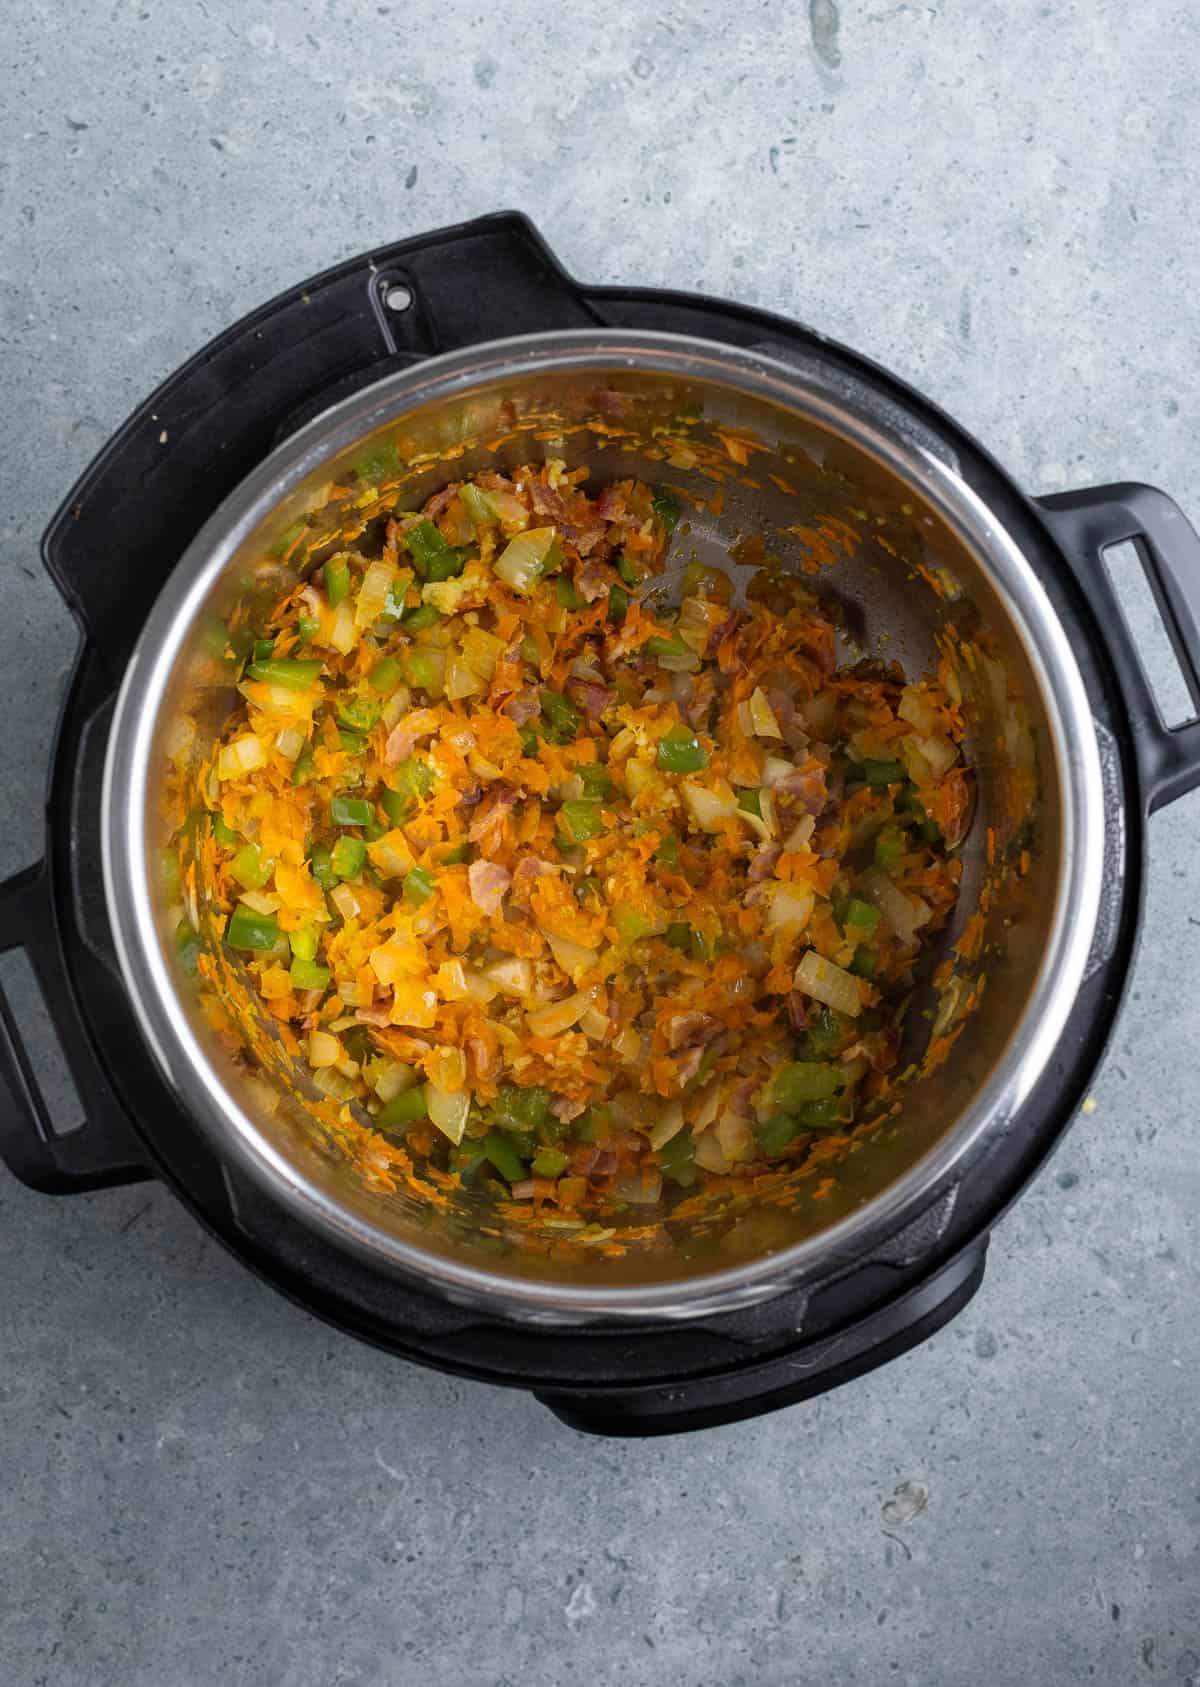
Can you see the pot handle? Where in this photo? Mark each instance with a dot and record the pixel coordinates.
(140, 503)
(1086, 523)
(751, 1391)
(102, 1151)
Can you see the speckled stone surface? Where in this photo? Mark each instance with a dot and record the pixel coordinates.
(203, 1485)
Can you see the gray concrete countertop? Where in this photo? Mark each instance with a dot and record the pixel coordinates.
(201, 1483)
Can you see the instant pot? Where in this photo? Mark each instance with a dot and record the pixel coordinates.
(470, 347)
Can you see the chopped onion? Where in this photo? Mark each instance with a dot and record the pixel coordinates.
(512, 977)
(461, 681)
(711, 809)
(904, 914)
(345, 901)
(710, 1156)
(373, 593)
(939, 752)
(448, 1110)
(575, 959)
(827, 983)
(262, 901)
(342, 632)
(669, 1123)
(482, 768)
(709, 1108)
(520, 564)
(736, 1136)
(290, 742)
(918, 709)
(559, 1016)
(396, 707)
(789, 908)
(642, 1188)
(776, 769)
(448, 1069)
(763, 715)
(595, 1025)
(323, 1050)
(394, 1079)
(390, 854)
(770, 820)
(244, 755)
(480, 988)
(511, 511)
(628, 1046)
(679, 661)
(331, 1082)
(801, 833)
(482, 650)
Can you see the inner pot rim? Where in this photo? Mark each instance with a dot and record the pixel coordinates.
(816, 394)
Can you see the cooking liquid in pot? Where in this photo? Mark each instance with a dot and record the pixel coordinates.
(595, 900)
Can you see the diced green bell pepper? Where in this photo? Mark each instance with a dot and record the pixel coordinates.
(677, 1158)
(291, 674)
(250, 869)
(385, 676)
(672, 646)
(187, 947)
(581, 818)
(402, 1110)
(337, 580)
(859, 914)
(824, 1037)
(303, 943)
(419, 886)
(347, 858)
(250, 930)
(519, 1109)
(751, 801)
(359, 713)
(308, 975)
(804, 1080)
(680, 751)
(668, 509)
(596, 780)
(890, 845)
(350, 811)
(425, 544)
(419, 619)
(321, 862)
(562, 718)
(478, 505)
(866, 961)
(500, 1151)
(420, 669)
(447, 567)
(774, 1134)
(883, 772)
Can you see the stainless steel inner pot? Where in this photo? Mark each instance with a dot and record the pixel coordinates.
(917, 567)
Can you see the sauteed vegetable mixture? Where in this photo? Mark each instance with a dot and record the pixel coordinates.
(568, 886)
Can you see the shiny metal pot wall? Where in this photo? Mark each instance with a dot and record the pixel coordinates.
(917, 565)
